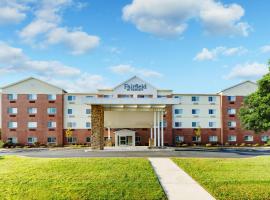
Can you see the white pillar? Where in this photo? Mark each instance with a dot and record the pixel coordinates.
(162, 131)
(151, 131)
(158, 121)
(155, 129)
(109, 133)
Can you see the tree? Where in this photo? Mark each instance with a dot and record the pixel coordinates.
(255, 113)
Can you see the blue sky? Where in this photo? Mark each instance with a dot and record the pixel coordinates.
(195, 46)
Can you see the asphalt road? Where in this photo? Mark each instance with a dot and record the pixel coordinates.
(186, 152)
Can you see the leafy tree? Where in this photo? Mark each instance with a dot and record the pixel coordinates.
(255, 113)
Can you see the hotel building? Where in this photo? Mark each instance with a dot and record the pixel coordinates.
(132, 113)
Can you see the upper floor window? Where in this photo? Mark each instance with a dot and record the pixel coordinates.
(125, 96)
(32, 97)
(51, 124)
(12, 124)
(177, 97)
(88, 111)
(195, 111)
(107, 96)
(212, 124)
(212, 99)
(51, 110)
(88, 125)
(71, 98)
(231, 111)
(178, 111)
(51, 97)
(12, 110)
(69, 111)
(32, 110)
(195, 124)
(177, 124)
(144, 96)
(212, 111)
(231, 98)
(12, 97)
(231, 124)
(32, 124)
(161, 96)
(71, 124)
(195, 98)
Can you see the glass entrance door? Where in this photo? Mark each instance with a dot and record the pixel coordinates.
(123, 140)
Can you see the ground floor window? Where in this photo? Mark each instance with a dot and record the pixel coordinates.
(196, 138)
(213, 138)
(232, 138)
(31, 140)
(248, 138)
(12, 140)
(179, 138)
(264, 138)
(137, 139)
(71, 139)
(51, 139)
(88, 139)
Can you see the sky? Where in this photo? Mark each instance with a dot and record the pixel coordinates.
(189, 46)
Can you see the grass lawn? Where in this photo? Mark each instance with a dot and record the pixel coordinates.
(78, 178)
(245, 178)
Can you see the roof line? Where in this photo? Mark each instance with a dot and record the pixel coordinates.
(248, 81)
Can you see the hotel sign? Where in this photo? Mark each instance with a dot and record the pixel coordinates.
(135, 87)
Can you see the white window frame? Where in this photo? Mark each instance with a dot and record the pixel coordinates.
(31, 125)
(88, 123)
(214, 124)
(231, 111)
(86, 111)
(180, 125)
(12, 110)
(51, 124)
(13, 140)
(196, 99)
(214, 99)
(52, 97)
(51, 142)
(34, 140)
(73, 140)
(179, 138)
(213, 138)
(49, 111)
(32, 110)
(250, 138)
(70, 109)
(180, 110)
(214, 111)
(230, 138)
(32, 97)
(12, 97)
(71, 124)
(265, 138)
(12, 125)
(232, 124)
(197, 111)
(231, 98)
(197, 124)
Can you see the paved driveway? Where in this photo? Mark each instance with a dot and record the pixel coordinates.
(185, 152)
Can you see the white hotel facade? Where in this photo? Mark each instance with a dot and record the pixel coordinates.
(132, 113)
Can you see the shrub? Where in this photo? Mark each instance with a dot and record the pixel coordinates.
(242, 145)
(227, 144)
(184, 145)
(255, 145)
(208, 145)
(1, 144)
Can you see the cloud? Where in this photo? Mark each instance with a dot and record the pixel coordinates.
(128, 69)
(248, 71)
(45, 29)
(171, 17)
(213, 54)
(11, 12)
(265, 49)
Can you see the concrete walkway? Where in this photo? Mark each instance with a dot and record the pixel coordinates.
(176, 183)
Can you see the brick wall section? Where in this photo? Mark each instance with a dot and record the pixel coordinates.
(79, 134)
(42, 132)
(168, 131)
(237, 131)
(97, 119)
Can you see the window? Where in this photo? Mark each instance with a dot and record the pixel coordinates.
(179, 138)
(248, 138)
(177, 124)
(71, 98)
(31, 140)
(231, 98)
(178, 111)
(51, 139)
(213, 138)
(12, 125)
(89, 97)
(125, 96)
(12, 140)
(32, 110)
(212, 99)
(32, 124)
(195, 99)
(196, 138)
(69, 111)
(177, 97)
(71, 124)
(232, 138)
(212, 124)
(88, 139)
(51, 97)
(212, 111)
(231, 111)
(71, 139)
(264, 138)
(32, 97)
(144, 96)
(137, 139)
(88, 111)
(232, 124)
(107, 96)
(162, 96)
(12, 97)
(51, 124)
(195, 111)
(51, 110)
(195, 124)
(12, 110)
(88, 125)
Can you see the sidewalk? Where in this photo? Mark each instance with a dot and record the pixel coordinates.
(176, 183)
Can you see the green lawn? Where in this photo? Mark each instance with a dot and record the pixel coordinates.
(78, 178)
(245, 179)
